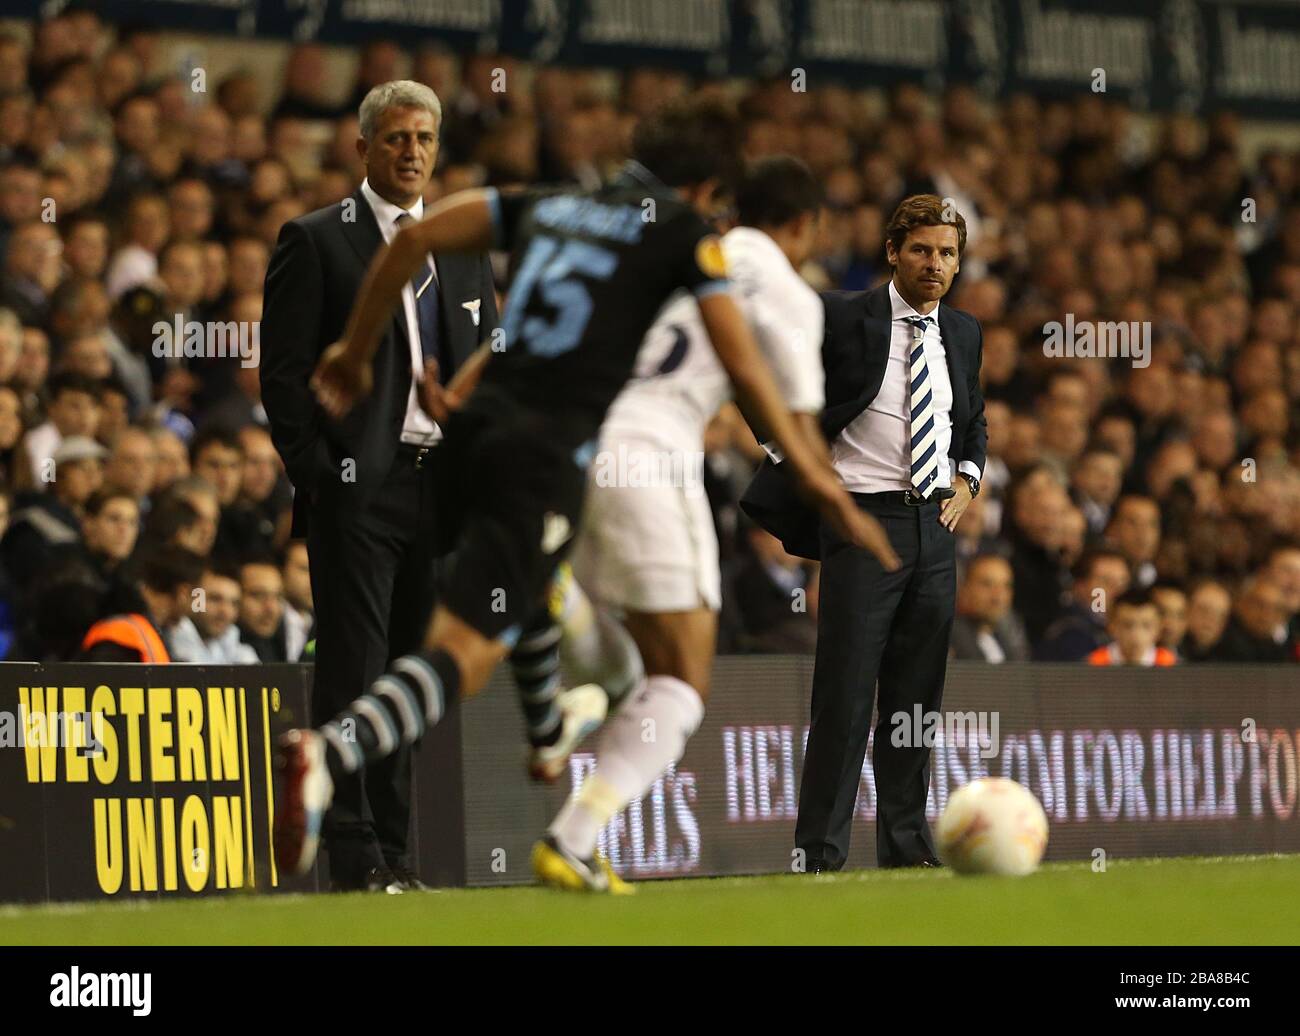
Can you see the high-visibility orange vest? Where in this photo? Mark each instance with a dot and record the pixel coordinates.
(134, 632)
(1103, 656)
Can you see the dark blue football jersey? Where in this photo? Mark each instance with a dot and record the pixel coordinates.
(590, 272)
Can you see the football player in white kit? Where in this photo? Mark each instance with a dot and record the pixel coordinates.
(647, 551)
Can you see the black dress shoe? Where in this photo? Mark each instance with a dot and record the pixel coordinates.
(408, 879)
(925, 861)
(376, 879)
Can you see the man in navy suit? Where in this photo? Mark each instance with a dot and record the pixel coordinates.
(363, 485)
(904, 417)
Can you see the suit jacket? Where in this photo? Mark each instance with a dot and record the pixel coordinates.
(1009, 633)
(855, 351)
(311, 283)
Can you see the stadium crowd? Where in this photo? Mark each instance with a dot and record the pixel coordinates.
(1135, 509)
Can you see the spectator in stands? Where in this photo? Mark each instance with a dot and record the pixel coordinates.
(44, 522)
(15, 465)
(31, 271)
(306, 86)
(132, 464)
(1100, 577)
(114, 411)
(1134, 627)
(209, 633)
(110, 528)
(85, 246)
(135, 262)
(1172, 602)
(217, 457)
(1134, 531)
(264, 496)
(299, 618)
(172, 459)
(1036, 509)
(166, 581)
(1209, 606)
(202, 498)
(261, 612)
(1283, 569)
(1095, 482)
(73, 411)
(174, 520)
(1257, 631)
(985, 628)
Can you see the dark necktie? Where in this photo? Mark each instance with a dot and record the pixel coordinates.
(425, 286)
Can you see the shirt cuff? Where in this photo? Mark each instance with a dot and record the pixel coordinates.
(967, 467)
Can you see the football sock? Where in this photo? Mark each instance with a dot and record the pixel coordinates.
(596, 648)
(638, 743)
(535, 662)
(415, 693)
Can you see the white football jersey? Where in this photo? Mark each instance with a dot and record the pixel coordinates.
(679, 384)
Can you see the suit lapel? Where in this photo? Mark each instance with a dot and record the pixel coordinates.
(948, 332)
(362, 232)
(956, 374)
(877, 330)
(363, 235)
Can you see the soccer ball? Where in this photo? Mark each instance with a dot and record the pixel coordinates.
(992, 826)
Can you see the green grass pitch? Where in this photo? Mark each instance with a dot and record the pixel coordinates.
(1221, 900)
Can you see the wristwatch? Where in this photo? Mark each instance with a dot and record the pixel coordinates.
(973, 482)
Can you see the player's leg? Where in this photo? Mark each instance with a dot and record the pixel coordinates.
(525, 507)
(638, 743)
(594, 650)
(417, 692)
(598, 655)
(655, 555)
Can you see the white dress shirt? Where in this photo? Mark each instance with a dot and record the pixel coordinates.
(873, 454)
(417, 427)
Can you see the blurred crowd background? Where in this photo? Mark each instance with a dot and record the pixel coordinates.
(127, 197)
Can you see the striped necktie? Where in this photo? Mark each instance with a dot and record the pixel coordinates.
(925, 455)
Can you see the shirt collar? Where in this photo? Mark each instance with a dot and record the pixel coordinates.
(901, 310)
(385, 211)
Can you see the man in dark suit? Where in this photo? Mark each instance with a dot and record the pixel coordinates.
(905, 420)
(364, 496)
(986, 628)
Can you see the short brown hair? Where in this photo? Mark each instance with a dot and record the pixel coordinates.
(924, 210)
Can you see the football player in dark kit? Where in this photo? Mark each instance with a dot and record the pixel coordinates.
(591, 271)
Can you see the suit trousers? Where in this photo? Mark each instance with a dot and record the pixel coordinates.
(373, 576)
(881, 637)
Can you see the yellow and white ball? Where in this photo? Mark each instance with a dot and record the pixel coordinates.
(992, 826)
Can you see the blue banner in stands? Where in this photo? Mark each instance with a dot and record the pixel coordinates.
(1187, 55)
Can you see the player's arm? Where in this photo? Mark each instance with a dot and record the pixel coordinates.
(440, 401)
(789, 339)
(756, 391)
(462, 223)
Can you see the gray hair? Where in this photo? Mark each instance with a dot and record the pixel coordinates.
(400, 93)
